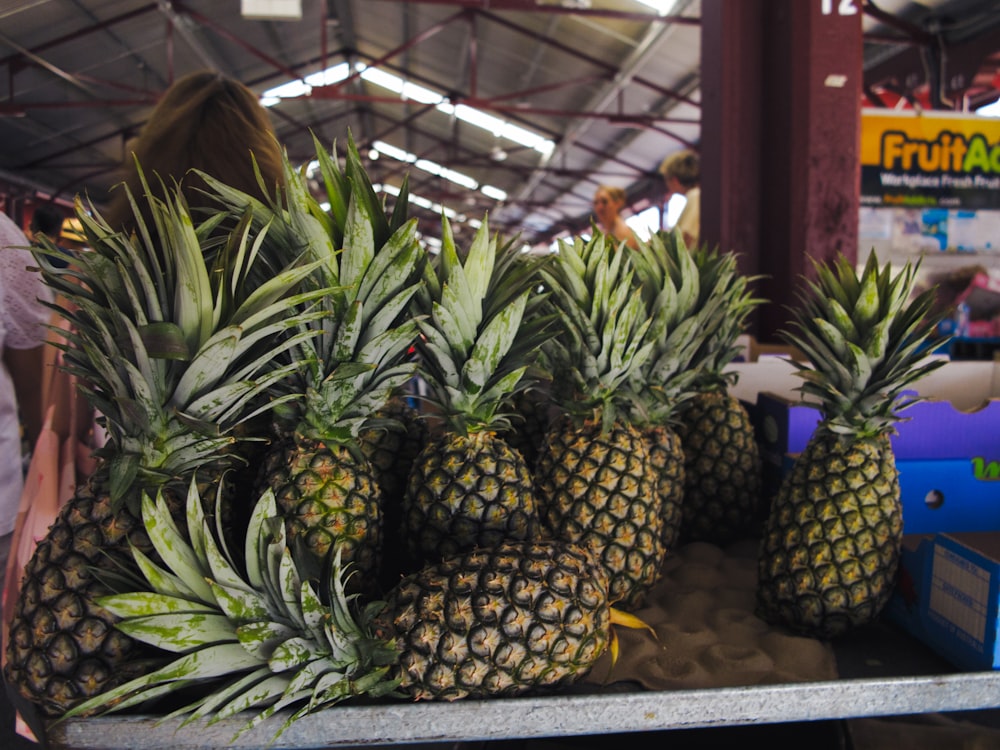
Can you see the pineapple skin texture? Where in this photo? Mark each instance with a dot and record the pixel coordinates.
(63, 647)
(498, 622)
(831, 548)
(722, 485)
(600, 490)
(328, 498)
(466, 492)
(666, 455)
(391, 454)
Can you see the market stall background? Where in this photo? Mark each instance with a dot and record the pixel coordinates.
(601, 92)
(513, 107)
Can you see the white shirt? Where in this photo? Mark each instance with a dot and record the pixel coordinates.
(22, 321)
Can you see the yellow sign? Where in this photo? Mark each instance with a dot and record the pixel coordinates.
(938, 159)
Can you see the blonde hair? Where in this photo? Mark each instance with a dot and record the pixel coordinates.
(616, 194)
(204, 121)
(684, 165)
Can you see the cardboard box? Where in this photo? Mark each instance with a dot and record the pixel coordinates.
(952, 495)
(947, 593)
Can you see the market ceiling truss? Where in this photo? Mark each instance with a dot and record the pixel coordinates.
(181, 20)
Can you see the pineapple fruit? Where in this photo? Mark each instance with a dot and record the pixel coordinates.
(830, 550)
(175, 363)
(595, 480)
(391, 441)
(259, 623)
(498, 621)
(352, 366)
(468, 488)
(255, 634)
(668, 283)
(722, 461)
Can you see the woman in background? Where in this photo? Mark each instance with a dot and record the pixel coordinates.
(204, 121)
(608, 203)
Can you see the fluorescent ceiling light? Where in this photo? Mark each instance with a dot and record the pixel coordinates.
(432, 167)
(304, 87)
(493, 192)
(394, 83)
(498, 126)
(418, 200)
(394, 153)
(288, 90)
(451, 175)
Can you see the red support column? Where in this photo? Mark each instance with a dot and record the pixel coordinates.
(803, 136)
(731, 70)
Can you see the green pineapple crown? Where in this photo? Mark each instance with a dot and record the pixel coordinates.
(262, 639)
(372, 263)
(173, 353)
(305, 227)
(602, 341)
(481, 329)
(682, 320)
(866, 341)
(729, 292)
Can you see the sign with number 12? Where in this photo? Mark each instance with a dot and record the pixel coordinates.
(844, 7)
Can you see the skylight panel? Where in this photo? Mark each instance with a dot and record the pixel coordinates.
(662, 7)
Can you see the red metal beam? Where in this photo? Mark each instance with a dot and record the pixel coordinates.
(14, 108)
(587, 58)
(408, 44)
(473, 57)
(916, 34)
(532, 6)
(234, 38)
(20, 57)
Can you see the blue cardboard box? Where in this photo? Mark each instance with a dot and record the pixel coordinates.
(951, 495)
(933, 429)
(947, 593)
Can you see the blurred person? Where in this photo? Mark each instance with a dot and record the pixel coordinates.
(23, 318)
(682, 176)
(205, 121)
(48, 220)
(608, 203)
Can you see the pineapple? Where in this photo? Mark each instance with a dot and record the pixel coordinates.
(174, 362)
(722, 461)
(265, 630)
(391, 442)
(595, 480)
(489, 622)
(530, 420)
(323, 482)
(830, 550)
(668, 282)
(468, 488)
(499, 621)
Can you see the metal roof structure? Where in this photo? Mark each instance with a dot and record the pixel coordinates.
(515, 108)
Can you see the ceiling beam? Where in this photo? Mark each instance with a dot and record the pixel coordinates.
(533, 6)
(76, 35)
(647, 46)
